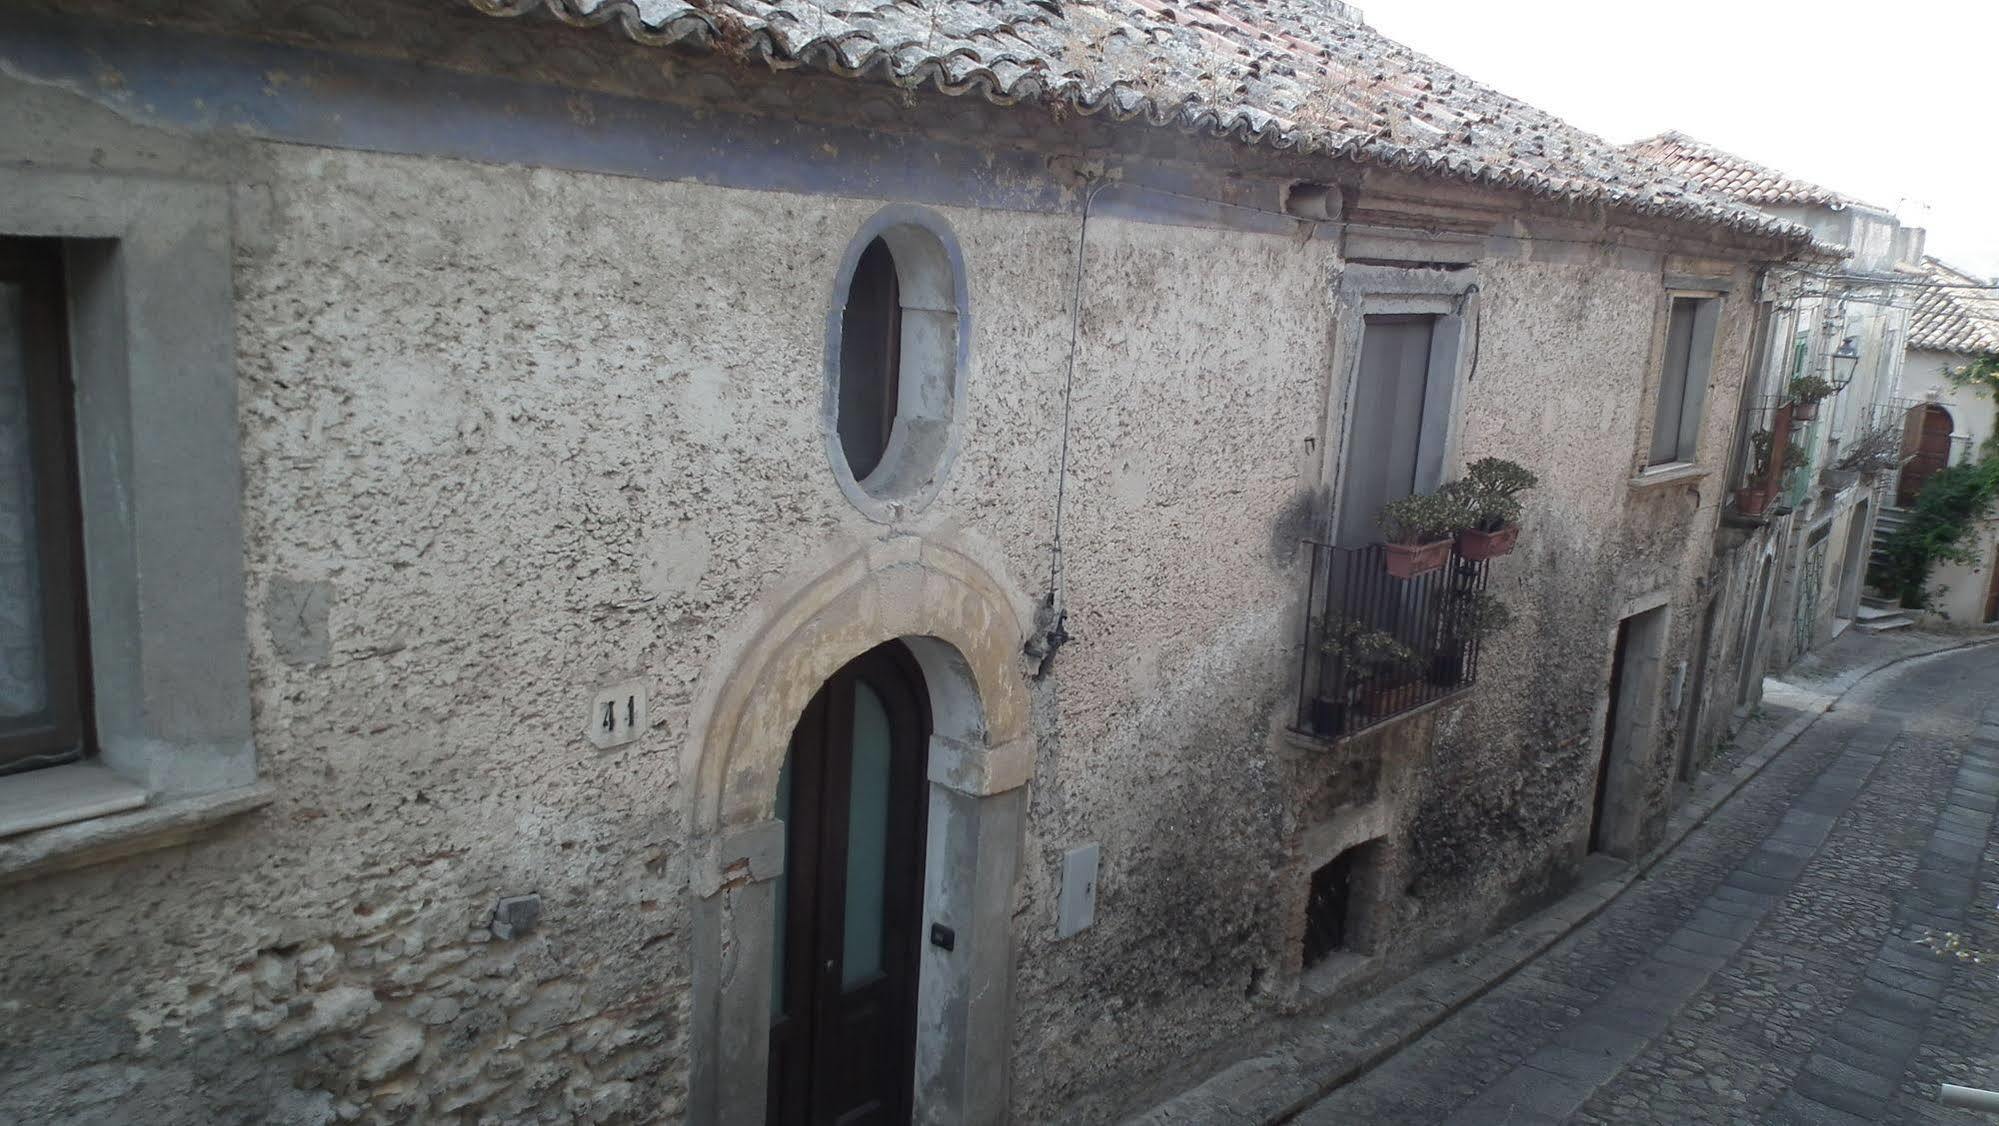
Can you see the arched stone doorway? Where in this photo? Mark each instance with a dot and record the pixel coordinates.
(1925, 450)
(963, 633)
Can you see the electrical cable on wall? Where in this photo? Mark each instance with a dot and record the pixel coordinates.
(1050, 631)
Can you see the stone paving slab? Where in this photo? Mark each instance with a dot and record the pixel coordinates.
(1596, 997)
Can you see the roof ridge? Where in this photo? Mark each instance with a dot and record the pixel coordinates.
(1287, 74)
(1749, 181)
(1954, 317)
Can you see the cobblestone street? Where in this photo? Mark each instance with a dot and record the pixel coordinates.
(1822, 950)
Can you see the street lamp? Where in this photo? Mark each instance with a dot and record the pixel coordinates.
(1843, 362)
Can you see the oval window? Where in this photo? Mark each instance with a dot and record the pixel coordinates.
(894, 388)
(870, 360)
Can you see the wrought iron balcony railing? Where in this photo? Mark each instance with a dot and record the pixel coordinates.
(1377, 646)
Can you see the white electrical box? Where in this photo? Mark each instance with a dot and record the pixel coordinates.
(617, 715)
(1077, 907)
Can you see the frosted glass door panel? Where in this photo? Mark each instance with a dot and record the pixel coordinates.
(867, 839)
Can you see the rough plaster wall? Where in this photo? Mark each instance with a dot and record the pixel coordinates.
(1180, 543)
(512, 435)
(1567, 345)
(516, 437)
(493, 463)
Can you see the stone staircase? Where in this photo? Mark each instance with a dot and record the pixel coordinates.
(1890, 521)
(1876, 614)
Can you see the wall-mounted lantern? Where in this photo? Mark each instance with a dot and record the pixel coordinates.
(1843, 362)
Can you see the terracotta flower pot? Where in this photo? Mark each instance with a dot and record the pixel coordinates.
(1387, 698)
(1752, 501)
(1478, 546)
(1804, 412)
(1407, 560)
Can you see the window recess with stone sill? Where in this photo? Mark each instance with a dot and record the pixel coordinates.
(43, 654)
(116, 352)
(1376, 646)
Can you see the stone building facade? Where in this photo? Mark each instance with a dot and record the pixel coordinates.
(1790, 578)
(1956, 322)
(468, 518)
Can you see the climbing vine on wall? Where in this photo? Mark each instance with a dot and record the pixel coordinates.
(1953, 502)
(1981, 374)
(1950, 505)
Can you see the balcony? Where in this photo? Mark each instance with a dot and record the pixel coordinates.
(1376, 646)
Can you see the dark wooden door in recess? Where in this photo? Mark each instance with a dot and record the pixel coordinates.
(852, 796)
(1928, 452)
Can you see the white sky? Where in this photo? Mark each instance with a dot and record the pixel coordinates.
(1895, 103)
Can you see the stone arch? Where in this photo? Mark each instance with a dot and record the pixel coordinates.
(966, 634)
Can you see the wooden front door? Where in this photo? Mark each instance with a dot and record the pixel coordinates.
(843, 1025)
(1925, 448)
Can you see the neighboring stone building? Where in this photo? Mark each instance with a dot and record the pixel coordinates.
(1793, 574)
(522, 472)
(1956, 322)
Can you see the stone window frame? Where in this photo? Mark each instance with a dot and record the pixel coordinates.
(1452, 296)
(935, 363)
(1702, 355)
(148, 268)
(1355, 964)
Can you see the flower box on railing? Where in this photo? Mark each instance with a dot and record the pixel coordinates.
(1408, 560)
(1753, 500)
(1480, 546)
(1378, 645)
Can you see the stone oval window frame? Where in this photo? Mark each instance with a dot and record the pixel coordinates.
(935, 356)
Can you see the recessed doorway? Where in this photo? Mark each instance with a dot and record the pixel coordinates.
(1633, 695)
(852, 797)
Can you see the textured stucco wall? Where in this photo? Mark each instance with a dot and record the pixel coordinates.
(1509, 798)
(520, 434)
(511, 435)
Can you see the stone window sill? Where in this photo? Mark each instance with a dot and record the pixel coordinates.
(91, 819)
(58, 795)
(1306, 741)
(1672, 473)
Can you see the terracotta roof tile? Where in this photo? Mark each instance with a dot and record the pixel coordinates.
(1300, 75)
(1960, 314)
(1732, 177)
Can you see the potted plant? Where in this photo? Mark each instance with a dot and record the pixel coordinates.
(1753, 499)
(1873, 451)
(1377, 664)
(1490, 491)
(1473, 615)
(1806, 391)
(1392, 669)
(1419, 531)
